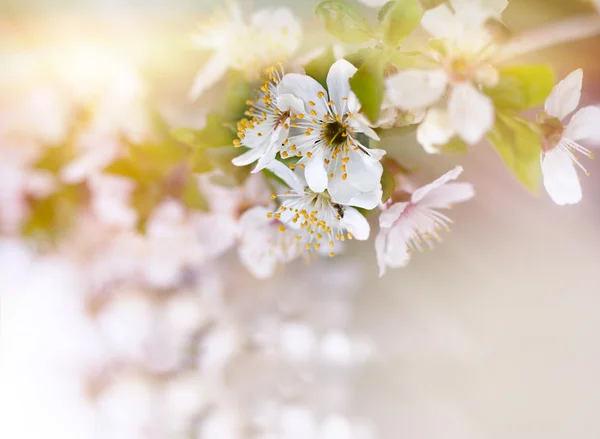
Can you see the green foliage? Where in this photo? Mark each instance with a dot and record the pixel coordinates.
(358, 58)
(319, 67)
(518, 142)
(398, 19)
(454, 146)
(522, 87)
(430, 4)
(368, 85)
(344, 21)
(388, 184)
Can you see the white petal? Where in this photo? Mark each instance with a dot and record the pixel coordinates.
(380, 243)
(389, 216)
(338, 84)
(254, 235)
(364, 172)
(287, 175)
(316, 174)
(495, 7)
(584, 125)
(211, 72)
(439, 21)
(471, 112)
(289, 102)
(305, 88)
(560, 178)
(416, 89)
(362, 125)
(436, 129)
(420, 193)
(391, 248)
(449, 194)
(565, 95)
(356, 224)
(248, 157)
(367, 200)
(269, 153)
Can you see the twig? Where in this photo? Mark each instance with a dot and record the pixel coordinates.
(570, 29)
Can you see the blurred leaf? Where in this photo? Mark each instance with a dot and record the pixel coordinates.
(368, 85)
(218, 132)
(438, 45)
(50, 216)
(221, 158)
(318, 68)
(455, 146)
(238, 91)
(200, 163)
(144, 200)
(519, 144)
(522, 87)
(399, 19)
(56, 157)
(359, 57)
(192, 197)
(344, 21)
(388, 184)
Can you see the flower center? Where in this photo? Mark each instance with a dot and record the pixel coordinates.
(552, 130)
(334, 134)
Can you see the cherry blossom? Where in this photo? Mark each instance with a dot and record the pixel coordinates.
(408, 225)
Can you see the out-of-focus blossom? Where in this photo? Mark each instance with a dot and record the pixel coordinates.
(325, 136)
(374, 3)
(407, 226)
(270, 36)
(561, 140)
(465, 66)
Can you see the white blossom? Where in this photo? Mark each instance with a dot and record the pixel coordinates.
(315, 217)
(408, 225)
(270, 36)
(324, 133)
(562, 140)
(465, 59)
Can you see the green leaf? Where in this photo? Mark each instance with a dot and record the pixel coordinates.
(318, 68)
(358, 58)
(439, 45)
(144, 199)
(522, 87)
(192, 197)
(385, 9)
(400, 20)
(519, 144)
(219, 131)
(237, 93)
(368, 85)
(388, 183)
(454, 146)
(344, 21)
(221, 158)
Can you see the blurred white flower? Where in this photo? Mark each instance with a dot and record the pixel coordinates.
(405, 226)
(373, 3)
(271, 36)
(561, 140)
(464, 54)
(324, 135)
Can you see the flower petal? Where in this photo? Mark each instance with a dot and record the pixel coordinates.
(305, 88)
(560, 178)
(389, 216)
(416, 89)
(471, 112)
(287, 175)
(248, 157)
(443, 197)
(584, 125)
(436, 129)
(439, 21)
(420, 193)
(356, 224)
(367, 200)
(211, 72)
(391, 249)
(290, 102)
(565, 95)
(364, 172)
(316, 174)
(338, 84)
(361, 125)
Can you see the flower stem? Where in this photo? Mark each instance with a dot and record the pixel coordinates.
(565, 31)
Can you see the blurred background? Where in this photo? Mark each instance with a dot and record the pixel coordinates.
(494, 334)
